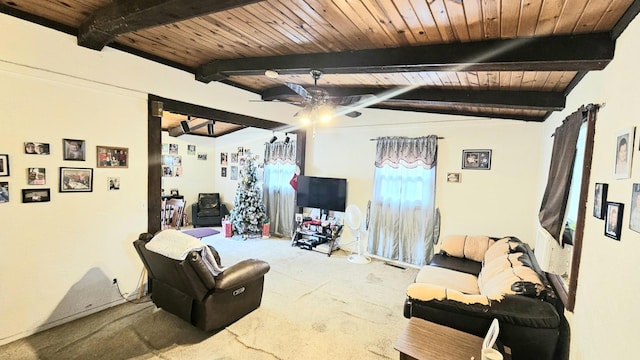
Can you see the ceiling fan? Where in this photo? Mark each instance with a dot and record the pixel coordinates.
(318, 104)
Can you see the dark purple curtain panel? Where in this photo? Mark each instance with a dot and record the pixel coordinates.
(554, 202)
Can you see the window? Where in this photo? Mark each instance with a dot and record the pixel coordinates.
(574, 212)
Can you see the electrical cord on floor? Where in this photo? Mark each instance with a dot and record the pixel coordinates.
(140, 283)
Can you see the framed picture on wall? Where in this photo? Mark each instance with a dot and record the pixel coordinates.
(36, 176)
(613, 220)
(76, 179)
(73, 149)
(634, 218)
(36, 148)
(476, 159)
(36, 195)
(4, 191)
(112, 157)
(454, 177)
(4, 165)
(623, 153)
(599, 199)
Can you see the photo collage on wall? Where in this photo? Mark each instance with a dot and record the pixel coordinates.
(76, 178)
(171, 161)
(233, 164)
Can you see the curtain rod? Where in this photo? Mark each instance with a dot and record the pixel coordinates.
(378, 138)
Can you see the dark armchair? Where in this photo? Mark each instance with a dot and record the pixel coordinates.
(188, 289)
(208, 211)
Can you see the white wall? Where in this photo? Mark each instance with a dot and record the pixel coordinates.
(58, 259)
(604, 320)
(496, 202)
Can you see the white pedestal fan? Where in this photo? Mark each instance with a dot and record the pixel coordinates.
(353, 219)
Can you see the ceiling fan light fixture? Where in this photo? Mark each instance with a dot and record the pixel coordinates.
(324, 113)
(272, 74)
(304, 116)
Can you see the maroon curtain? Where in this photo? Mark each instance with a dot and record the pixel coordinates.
(554, 201)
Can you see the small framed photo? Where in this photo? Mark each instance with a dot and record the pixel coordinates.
(76, 179)
(613, 220)
(191, 149)
(4, 165)
(454, 177)
(36, 176)
(36, 148)
(114, 183)
(634, 219)
(476, 159)
(73, 149)
(4, 191)
(175, 192)
(223, 159)
(202, 156)
(234, 158)
(36, 195)
(599, 199)
(112, 157)
(623, 153)
(223, 172)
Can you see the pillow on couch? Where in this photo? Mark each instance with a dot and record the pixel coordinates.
(467, 247)
(498, 265)
(503, 246)
(502, 283)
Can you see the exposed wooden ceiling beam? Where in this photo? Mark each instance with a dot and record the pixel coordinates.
(529, 100)
(486, 114)
(203, 112)
(556, 53)
(124, 16)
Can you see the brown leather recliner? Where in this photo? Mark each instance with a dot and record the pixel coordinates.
(189, 290)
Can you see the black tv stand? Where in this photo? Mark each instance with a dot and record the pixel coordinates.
(311, 236)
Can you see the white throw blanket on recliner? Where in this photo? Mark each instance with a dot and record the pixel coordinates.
(177, 245)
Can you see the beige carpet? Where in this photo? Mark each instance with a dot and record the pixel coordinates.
(313, 307)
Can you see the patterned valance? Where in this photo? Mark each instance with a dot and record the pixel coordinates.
(280, 152)
(408, 152)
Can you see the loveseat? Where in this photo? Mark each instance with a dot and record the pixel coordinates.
(475, 279)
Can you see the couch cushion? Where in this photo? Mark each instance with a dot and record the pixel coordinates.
(451, 279)
(428, 292)
(498, 265)
(503, 246)
(466, 247)
(502, 283)
(455, 263)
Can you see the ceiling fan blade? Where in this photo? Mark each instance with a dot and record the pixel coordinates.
(351, 99)
(353, 114)
(298, 89)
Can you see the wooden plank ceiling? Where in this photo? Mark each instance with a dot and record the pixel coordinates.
(511, 59)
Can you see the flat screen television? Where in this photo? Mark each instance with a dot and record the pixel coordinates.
(322, 193)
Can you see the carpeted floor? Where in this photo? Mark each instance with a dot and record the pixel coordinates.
(313, 307)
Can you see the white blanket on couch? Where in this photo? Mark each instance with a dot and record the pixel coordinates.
(177, 245)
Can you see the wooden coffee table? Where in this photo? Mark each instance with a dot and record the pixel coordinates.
(424, 340)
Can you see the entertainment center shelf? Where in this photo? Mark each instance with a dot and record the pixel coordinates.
(316, 239)
(324, 194)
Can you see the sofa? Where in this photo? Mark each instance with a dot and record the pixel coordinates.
(475, 279)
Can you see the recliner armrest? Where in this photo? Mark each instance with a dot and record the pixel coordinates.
(240, 273)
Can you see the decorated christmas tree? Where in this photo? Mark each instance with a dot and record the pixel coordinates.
(248, 213)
